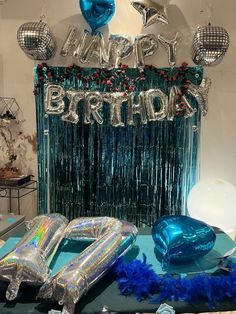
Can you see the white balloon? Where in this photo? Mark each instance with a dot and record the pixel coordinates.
(214, 202)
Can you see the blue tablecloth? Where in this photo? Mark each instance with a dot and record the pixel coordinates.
(106, 292)
(144, 245)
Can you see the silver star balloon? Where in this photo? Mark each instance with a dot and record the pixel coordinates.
(151, 12)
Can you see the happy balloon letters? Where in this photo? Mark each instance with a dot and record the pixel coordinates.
(87, 47)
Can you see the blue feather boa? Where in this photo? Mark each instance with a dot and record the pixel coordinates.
(139, 279)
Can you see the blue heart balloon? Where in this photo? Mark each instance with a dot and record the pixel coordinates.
(180, 239)
(97, 12)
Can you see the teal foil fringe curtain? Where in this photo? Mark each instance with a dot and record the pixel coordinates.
(137, 173)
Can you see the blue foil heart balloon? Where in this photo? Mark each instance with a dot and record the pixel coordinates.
(180, 239)
(97, 12)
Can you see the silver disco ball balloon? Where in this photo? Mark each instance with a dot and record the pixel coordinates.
(36, 40)
(210, 44)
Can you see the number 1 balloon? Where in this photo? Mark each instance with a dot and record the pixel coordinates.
(151, 12)
(97, 12)
(28, 261)
(113, 238)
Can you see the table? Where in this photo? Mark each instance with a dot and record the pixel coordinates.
(105, 293)
(11, 225)
(17, 192)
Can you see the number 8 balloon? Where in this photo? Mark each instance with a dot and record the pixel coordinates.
(97, 12)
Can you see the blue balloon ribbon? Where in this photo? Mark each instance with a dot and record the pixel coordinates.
(97, 12)
(181, 239)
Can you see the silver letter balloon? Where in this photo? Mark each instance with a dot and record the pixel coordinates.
(210, 44)
(179, 239)
(36, 40)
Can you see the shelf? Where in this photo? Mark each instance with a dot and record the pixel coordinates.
(17, 192)
(20, 187)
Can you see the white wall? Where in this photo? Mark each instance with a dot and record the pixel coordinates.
(218, 132)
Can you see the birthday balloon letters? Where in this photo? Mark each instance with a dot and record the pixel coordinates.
(150, 105)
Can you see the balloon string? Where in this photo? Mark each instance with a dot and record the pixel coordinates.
(202, 22)
(42, 17)
(210, 10)
(206, 12)
(43, 10)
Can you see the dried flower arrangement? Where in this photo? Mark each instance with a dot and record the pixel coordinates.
(12, 139)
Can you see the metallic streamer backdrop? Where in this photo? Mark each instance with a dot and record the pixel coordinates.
(135, 173)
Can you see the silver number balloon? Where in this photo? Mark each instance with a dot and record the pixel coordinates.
(179, 104)
(119, 48)
(210, 44)
(36, 40)
(151, 11)
(116, 100)
(93, 102)
(53, 99)
(150, 95)
(170, 45)
(201, 94)
(144, 46)
(70, 42)
(74, 98)
(139, 109)
(28, 261)
(113, 239)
